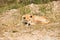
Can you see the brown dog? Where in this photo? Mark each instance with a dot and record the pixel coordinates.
(33, 19)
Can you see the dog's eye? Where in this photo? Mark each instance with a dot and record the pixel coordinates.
(30, 16)
(24, 18)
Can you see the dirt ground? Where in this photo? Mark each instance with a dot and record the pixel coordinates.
(11, 27)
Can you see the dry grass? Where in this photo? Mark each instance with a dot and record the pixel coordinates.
(11, 27)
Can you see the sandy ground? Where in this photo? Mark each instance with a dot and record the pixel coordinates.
(11, 27)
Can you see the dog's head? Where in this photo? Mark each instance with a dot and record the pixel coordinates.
(26, 19)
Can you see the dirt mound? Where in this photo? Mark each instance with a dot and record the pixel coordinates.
(11, 27)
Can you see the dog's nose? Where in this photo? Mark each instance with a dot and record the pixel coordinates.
(29, 24)
(25, 23)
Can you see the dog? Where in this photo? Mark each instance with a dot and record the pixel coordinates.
(29, 19)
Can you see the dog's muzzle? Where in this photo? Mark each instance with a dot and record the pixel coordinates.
(26, 23)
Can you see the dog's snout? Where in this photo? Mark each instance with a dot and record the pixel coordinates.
(29, 24)
(25, 22)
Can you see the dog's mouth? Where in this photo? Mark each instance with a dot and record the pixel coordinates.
(26, 23)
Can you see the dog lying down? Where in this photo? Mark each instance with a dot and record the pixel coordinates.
(29, 19)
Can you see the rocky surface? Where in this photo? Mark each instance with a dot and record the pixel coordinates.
(11, 27)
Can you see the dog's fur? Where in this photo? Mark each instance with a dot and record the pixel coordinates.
(33, 19)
